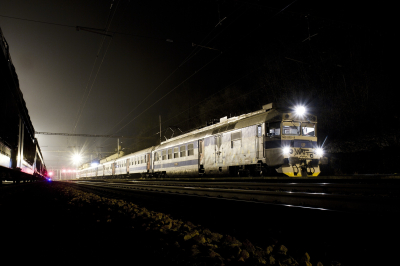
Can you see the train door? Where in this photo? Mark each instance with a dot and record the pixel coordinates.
(218, 150)
(127, 165)
(201, 153)
(148, 162)
(202, 160)
(113, 168)
(259, 142)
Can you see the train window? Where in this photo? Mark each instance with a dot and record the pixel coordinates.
(190, 149)
(236, 139)
(308, 129)
(164, 154)
(291, 128)
(259, 131)
(274, 129)
(141, 159)
(176, 152)
(236, 135)
(169, 153)
(183, 151)
(156, 156)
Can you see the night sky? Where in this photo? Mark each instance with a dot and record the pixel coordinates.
(162, 55)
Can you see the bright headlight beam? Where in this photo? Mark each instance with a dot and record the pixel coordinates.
(286, 150)
(300, 110)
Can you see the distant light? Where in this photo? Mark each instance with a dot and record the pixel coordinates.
(69, 171)
(300, 110)
(49, 179)
(63, 170)
(76, 158)
(50, 173)
(94, 164)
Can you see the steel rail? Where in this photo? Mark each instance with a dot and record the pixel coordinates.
(330, 188)
(302, 199)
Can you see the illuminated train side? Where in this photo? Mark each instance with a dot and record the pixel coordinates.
(20, 156)
(277, 139)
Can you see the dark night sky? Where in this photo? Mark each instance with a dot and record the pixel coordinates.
(54, 62)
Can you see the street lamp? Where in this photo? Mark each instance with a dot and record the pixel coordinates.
(76, 158)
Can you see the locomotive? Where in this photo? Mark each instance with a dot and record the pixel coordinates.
(273, 139)
(20, 154)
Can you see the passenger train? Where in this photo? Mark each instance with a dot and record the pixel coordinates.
(21, 158)
(273, 138)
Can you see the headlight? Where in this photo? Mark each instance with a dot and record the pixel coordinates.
(286, 150)
(300, 110)
(319, 151)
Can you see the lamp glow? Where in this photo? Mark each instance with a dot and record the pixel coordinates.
(76, 158)
(319, 151)
(300, 110)
(286, 150)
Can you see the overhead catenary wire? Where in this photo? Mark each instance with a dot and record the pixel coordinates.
(108, 25)
(194, 72)
(155, 38)
(89, 93)
(190, 56)
(198, 47)
(281, 10)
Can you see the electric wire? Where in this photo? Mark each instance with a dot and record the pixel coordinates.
(190, 56)
(197, 72)
(98, 69)
(281, 10)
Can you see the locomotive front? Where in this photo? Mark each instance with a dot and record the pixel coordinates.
(293, 142)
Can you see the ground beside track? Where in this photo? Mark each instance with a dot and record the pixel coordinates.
(37, 220)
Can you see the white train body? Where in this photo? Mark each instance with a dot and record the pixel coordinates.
(249, 144)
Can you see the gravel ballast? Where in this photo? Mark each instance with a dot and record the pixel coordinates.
(58, 222)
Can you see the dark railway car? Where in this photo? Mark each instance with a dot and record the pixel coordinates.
(20, 155)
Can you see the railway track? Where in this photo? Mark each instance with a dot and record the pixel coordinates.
(372, 198)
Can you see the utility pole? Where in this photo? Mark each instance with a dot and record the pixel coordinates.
(118, 149)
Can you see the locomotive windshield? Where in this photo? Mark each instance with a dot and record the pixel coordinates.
(274, 129)
(297, 129)
(291, 128)
(308, 129)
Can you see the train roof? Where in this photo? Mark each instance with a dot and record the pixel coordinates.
(144, 151)
(269, 112)
(225, 125)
